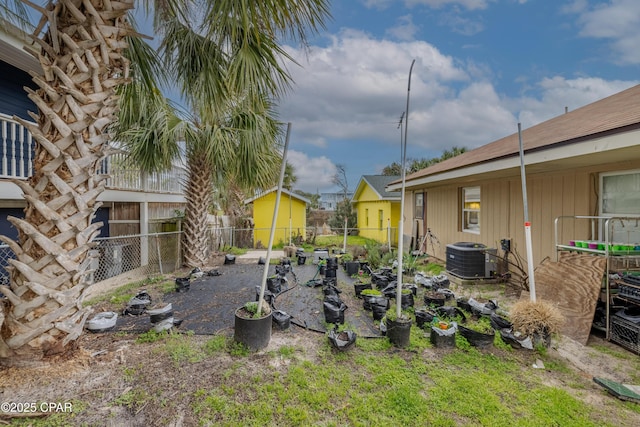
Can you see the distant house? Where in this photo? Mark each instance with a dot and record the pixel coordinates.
(329, 201)
(378, 210)
(585, 162)
(290, 223)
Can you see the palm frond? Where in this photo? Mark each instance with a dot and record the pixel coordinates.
(290, 19)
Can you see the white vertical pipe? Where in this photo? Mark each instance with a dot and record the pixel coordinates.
(265, 273)
(527, 224)
(401, 225)
(344, 245)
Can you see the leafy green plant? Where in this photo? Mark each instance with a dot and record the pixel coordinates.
(234, 250)
(392, 315)
(151, 336)
(215, 345)
(482, 325)
(372, 292)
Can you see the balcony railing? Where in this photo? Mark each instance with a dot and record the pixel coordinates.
(16, 149)
(16, 161)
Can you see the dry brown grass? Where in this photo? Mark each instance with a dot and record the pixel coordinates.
(531, 317)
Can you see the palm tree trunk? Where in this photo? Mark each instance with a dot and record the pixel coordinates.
(81, 56)
(199, 198)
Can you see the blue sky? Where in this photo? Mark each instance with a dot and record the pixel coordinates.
(481, 67)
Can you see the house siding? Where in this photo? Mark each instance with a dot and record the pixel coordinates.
(369, 199)
(263, 208)
(13, 98)
(569, 192)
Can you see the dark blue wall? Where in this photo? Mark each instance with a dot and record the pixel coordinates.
(13, 98)
(7, 229)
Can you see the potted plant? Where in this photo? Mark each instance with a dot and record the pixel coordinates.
(359, 286)
(367, 296)
(398, 327)
(322, 266)
(351, 267)
(537, 320)
(479, 333)
(252, 326)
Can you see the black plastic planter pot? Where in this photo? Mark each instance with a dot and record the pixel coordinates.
(434, 299)
(424, 317)
(498, 322)
(379, 307)
(475, 338)
(334, 310)
(342, 340)
(254, 333)
(406, 301)
(399, 332)
(442, 338)
(351, 267)
(359, 287)
(274, 284)
(302, 259)
(366, 301)
(182, 284)
(281, 320)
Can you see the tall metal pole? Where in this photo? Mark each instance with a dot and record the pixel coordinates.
(265, 273)
(527, 224)
(401, 224)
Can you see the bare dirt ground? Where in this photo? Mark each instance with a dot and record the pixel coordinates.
(100, 377)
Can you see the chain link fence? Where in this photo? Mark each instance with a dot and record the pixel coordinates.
(161, 253)
(248, 238)
(5, 255)
(150, 254)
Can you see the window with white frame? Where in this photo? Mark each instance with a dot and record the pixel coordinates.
(620, 193)
(419, 211)
(471, 209)
(620, 197)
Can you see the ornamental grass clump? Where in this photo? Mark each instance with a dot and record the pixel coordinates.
(536, 317)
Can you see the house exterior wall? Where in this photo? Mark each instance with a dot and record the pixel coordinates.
(369, 201)
(263, 208)
(567, 192)
(13, 98)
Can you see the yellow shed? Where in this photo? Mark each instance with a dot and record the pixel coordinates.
(290, 223)
(378, 210)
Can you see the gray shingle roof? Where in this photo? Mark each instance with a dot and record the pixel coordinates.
(379, 182)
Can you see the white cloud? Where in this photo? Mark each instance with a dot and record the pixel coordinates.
(435, 4)
(558, 93)
(312, 173)
(356, 87)
(467, 4)
(349, 95)
(617, 21)
(405, 29)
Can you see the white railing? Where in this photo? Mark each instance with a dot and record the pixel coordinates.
(16, 149)
(16, 161)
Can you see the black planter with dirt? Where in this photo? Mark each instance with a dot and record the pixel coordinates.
(359, 287)
(434, 299)
(477, 338)
(254, 333)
